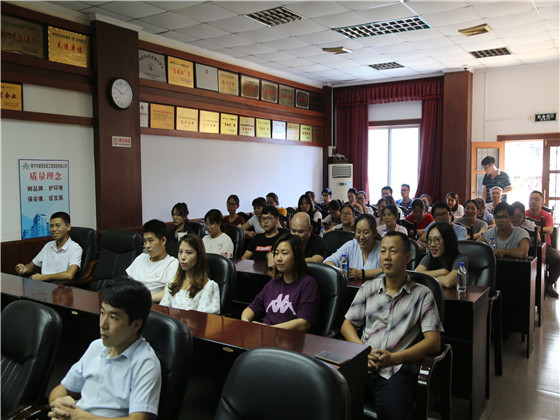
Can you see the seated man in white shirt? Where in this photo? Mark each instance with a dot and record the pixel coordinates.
(510, 241)
(119, 375)
(59, 259)
(496, 196)
(155, 268)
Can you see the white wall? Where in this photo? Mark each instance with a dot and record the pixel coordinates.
(506, 99)
(203, 173)
(37, 140)
(408, 110)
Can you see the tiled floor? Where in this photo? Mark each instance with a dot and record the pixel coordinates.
(529, 388)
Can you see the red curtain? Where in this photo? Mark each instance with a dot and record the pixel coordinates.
(352, 125)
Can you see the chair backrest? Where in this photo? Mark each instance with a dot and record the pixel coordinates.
(30, 336)
(434, 286)
(416, 255)
(277, 384)
(197, 229)
(332, 289)
(482, 263)
(87, 239)
(118, 249)
(222, 271)
(336, 238)
(172, 343)
(237, 236)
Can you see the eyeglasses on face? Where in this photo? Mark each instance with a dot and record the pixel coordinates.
(267, 219)
(436, 240)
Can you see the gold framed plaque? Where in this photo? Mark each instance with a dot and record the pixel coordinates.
(269, 91)
(180, 72)
(316, 102)
(247, 126)
(151, 66)
(249, 87)
(279, 130)
(305, 132)
(287, 95)
(22, 37)
(302, 99)
(228, 82)
(263, 128)
(12, 97)
(209, 122)
(292, 132)
(228, 124)
(187, 119)
(162, 116)
(318, 134)
(68, 47)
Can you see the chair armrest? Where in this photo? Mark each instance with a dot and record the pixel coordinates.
(445, 358)
(82, 281)
(28, 412)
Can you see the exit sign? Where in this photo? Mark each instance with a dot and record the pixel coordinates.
(551, 116)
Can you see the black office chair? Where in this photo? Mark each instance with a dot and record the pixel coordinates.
(332, 289)
(197, 229)
(30, 336)
(482, 272)
(87, 239)
(222, 271)
(416, 255)
(410, 227)
(237, 236)
(336, 238)
(277, 384)
(433, 367)
(172, 343)
(118, 249)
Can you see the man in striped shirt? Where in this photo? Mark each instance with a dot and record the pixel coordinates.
(400, 321)
(494, 177)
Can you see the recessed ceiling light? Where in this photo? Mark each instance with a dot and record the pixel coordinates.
(414, 23)
(386, 66)
(492, 52)
(273, 17)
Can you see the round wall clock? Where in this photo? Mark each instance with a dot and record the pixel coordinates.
(120, 93)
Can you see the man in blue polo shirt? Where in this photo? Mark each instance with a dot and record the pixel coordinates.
(119, 375)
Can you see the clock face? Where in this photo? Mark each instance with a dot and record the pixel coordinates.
(121, 93)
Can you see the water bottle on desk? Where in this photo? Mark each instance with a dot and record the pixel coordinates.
(384, 233)
(322, 231)
(492, 244)
(462, 278)
(344, 264)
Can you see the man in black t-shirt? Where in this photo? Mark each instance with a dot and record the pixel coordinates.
(262, 243)
(315, 247)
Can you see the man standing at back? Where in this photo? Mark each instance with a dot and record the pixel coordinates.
(494, 178)
(400, 321)
(59, 259)
(119, 375)
(535, 212)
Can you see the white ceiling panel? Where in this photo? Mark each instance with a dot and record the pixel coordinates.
(264, 34)
(98, 10)
(465, 14)
(519, 19)
(202, 31)
(287, 43)
(374, 41)
(169, 20)
(296, 62)
(422, 7)
(177, 36)
(277, 56)
(311, 9)
(341, 19)
(237, 24)
(72, 5)
(307, 51)
(252, 49)
(153, 29)
(232, 40)
(498, 9)
(323, 36)
(173, 5)
(206, 12)
(538, 46)
(301, 27)
(382, 14)
(246, 7)
(132, 9)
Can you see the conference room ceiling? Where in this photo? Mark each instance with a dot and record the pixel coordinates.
(528, 30)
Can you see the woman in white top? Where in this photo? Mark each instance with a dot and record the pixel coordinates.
(457, 210)
(217, 242)
(389, 217)
(192, 289)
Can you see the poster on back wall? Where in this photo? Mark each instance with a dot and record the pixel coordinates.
(43, 190)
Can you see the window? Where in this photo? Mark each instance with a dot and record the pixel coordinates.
(394, 156)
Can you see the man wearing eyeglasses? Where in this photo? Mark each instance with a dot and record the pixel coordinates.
(494, 178)
(262, 243)
(442, 214)
(510, 241)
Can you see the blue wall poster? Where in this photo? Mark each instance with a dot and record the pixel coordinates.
(43, 190)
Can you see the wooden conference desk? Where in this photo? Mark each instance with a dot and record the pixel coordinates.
(465, 327)
(516, 279)
(251, 278)
(220, 335)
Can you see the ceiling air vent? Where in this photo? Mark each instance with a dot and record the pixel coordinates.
(493, 52)
(476, 30)
(386, 66)
(273, 17)
(414, 23)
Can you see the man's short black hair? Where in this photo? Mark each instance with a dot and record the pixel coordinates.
(274, 196)
(387, 187)
(310, 193)
(488, 160)
(61, 215)
(404, 239)
(440, 205)
(129, 295)
(270, 210)
(352, 190)
(405, 185)
(157, 227)
(537, 192)
(259, 202)
(503, 206)
(334, 205)
(326, 190)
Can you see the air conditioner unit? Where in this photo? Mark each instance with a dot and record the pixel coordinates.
(341, 177)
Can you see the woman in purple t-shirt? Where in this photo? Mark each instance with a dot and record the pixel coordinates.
(291, 300)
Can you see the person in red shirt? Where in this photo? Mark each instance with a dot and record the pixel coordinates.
(419, 216)
(535, 212)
